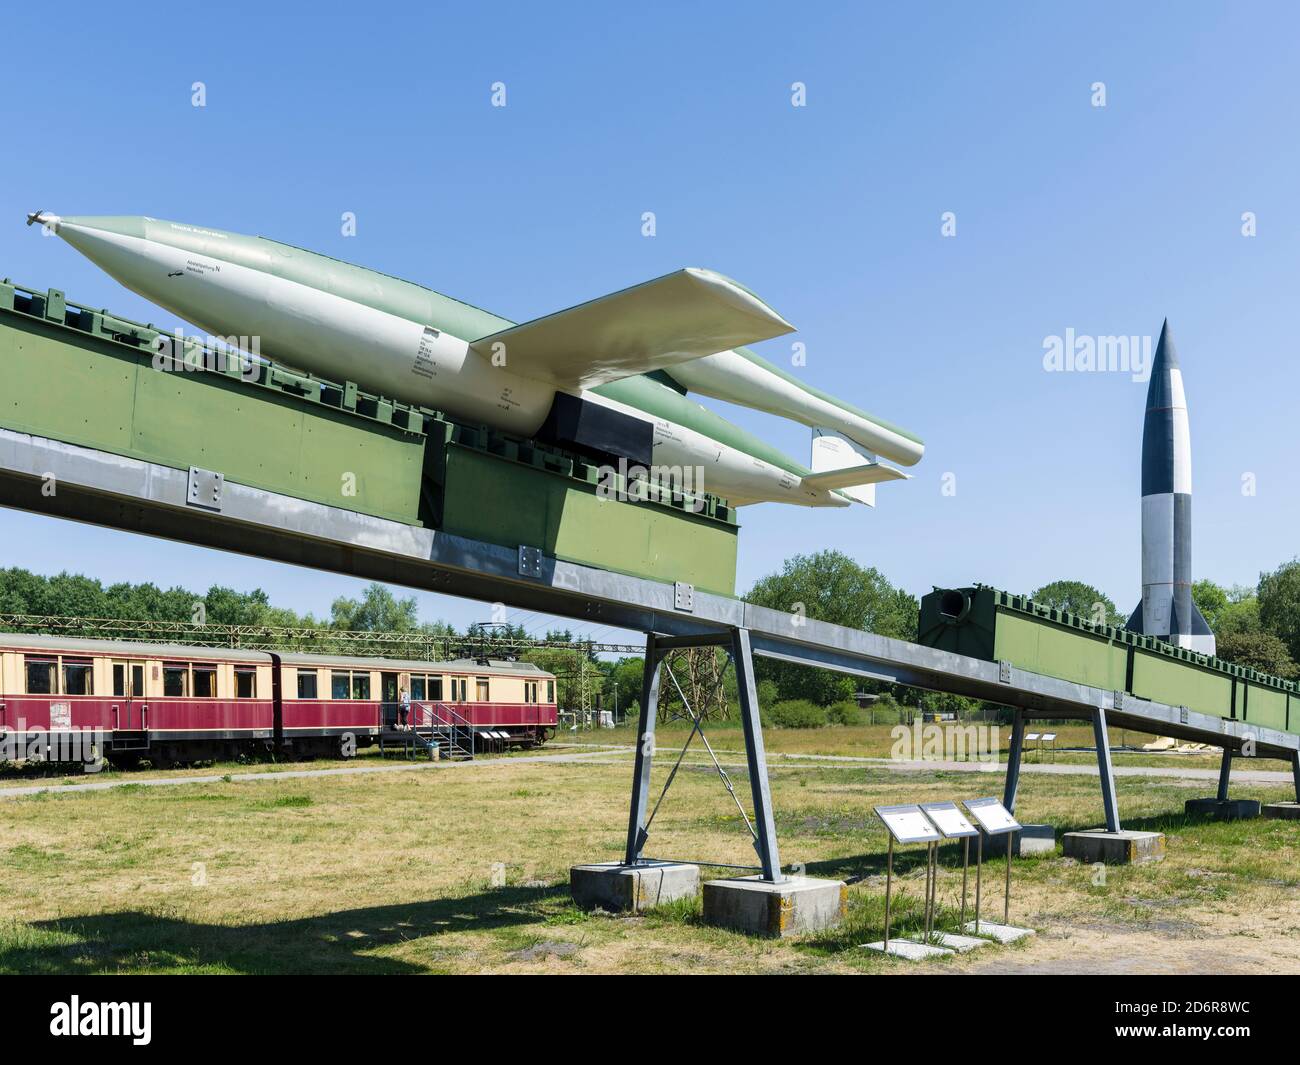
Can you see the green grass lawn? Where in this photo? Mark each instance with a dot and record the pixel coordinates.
(465, 870)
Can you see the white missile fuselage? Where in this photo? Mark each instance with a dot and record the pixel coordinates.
(339, 322)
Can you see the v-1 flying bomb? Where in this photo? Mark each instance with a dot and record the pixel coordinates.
(608, 377)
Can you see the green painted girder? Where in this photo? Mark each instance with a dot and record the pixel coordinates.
(87, 378)
(998, 626)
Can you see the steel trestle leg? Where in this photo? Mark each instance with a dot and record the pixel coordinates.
(644, 752)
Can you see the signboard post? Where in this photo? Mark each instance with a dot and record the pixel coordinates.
(909, 824)
(996, 820)
(948, 819)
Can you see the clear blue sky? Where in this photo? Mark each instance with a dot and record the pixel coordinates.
(1069, 216)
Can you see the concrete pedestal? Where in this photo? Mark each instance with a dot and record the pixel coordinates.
(616, 887)
(1029, 841)
(794, 906)
(1283, 811)
(1223, 809)
(1113, 848)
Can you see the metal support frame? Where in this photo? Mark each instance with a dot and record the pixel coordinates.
(644, 751)
(756, 756)
(1225, 771)
(763, 826)
(130, 494)
(1105, 770)
(1014, 755)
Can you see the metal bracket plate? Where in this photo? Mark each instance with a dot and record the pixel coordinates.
(1004, 671)
(205, 488)
(530, 561)
(683, 595)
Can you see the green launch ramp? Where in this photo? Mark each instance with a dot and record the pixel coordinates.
(89, 378)
(999, 627)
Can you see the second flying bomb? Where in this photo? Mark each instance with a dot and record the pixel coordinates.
(608, 376)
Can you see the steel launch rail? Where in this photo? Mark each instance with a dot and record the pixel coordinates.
(136, 496)
(212, 508)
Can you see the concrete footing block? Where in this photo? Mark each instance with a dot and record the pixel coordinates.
(999, 933)
(909, 951)
(1223, 809)
(616, 887)
(1283, 811)
(1031, 840)
(962, 944)
(1113, 848)
(797, 905)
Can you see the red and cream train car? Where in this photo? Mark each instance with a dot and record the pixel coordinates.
(173, 703)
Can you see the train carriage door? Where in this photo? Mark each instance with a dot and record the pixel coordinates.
(388, 690)
(128, 693)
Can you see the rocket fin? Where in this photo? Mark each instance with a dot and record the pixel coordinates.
(1135, 620)
(837, 466)
(673, 319)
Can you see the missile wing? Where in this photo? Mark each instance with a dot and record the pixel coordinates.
(676, 318)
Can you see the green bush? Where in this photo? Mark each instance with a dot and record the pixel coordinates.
(845, 712)
(798, 713)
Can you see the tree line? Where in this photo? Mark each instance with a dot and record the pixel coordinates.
(1255, 626)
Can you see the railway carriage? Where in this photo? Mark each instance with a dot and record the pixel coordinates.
(174, 703)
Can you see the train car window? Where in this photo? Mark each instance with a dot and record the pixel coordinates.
(306, 684)
(530, 691)
(41, 675)
(481, 689)
(419, 685)
(458, 686)
(245, 682)
(435, 690)
(340, 686)
(361, 685)
(119, 679)
(550, 691)
(77, 676)
(176, 677)
(205, 682)
(137, 680)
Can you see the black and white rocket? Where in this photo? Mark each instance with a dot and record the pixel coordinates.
(1167, 609)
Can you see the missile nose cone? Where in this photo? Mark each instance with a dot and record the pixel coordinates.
(1166, 357)
(44, 218)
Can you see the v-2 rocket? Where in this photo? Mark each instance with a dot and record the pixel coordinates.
(1167, 609)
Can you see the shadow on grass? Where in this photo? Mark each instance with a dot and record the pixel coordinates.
(342, 942)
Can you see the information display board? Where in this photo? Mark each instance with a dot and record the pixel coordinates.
(949, 820)
(992, 816)
(908, 824)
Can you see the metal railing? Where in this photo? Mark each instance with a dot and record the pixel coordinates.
(450, 728)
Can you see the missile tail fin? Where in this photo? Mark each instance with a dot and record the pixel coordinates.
(838, 465)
